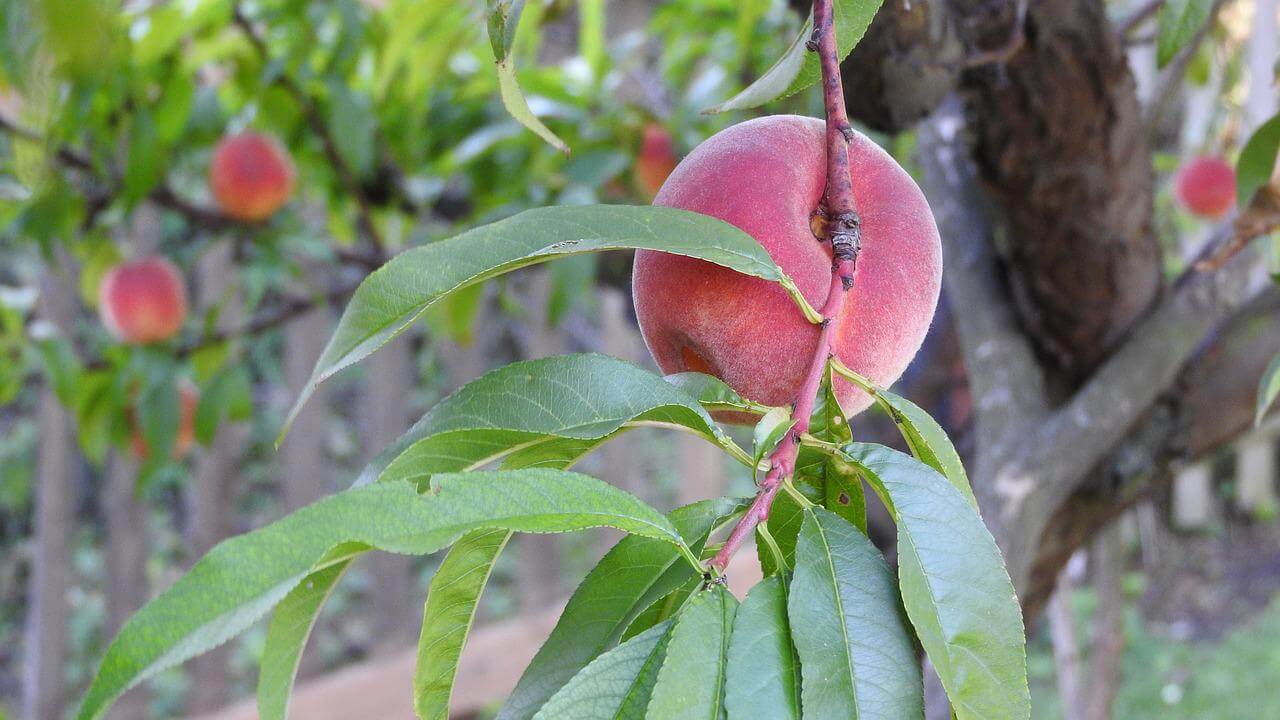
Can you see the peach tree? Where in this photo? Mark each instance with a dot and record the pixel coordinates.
(831, 631)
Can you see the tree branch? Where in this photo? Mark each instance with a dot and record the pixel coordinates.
(1137, 17)
(1056, 458)
(1005, 380)
(844, 227)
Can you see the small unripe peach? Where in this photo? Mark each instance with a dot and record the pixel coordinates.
(767, 176)
(1206, 187)
(143, 301)
(188, 399)
(656, 159)
(251, 176)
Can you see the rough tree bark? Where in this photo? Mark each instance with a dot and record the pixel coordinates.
(1057, 132)
(53, 521)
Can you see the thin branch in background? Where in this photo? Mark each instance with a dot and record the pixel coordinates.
(364, 213)
(844, 228)
(1137, 17)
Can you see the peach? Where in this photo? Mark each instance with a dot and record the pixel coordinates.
(656, 159)
(251, 176)
(143, 301)
(766, 176)
(189, 399)
(1206, 187)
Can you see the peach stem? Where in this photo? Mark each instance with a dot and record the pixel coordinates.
(845, 241)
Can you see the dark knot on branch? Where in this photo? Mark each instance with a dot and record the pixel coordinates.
(846, 235)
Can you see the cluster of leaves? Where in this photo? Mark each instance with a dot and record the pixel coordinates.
(651, 629)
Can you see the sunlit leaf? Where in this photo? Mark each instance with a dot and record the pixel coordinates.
(1257, 161)
(397, 294)
(244, 577)
(1178, 23)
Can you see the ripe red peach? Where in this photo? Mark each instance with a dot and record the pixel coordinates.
(656, 159)
(143, 301)
(766, 176)
(189, 400)
(1206, 187)
(251, 176)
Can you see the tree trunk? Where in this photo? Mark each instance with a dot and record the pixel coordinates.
(125, 564)
(53, 522)
(395, 606)
(210, 492)
(1107, 652)
(1066, 649)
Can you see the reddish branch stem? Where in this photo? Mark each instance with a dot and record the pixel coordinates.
(844, 229)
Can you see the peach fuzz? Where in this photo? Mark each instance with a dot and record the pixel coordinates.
(251, 176)
(766, 176)
(143, 301)
(1206, 187)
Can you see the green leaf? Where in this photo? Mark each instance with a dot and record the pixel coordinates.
(769, 432)
(616, 685)
(145, 162)
(1268, 388)
(665, 608)
(634, 575)
(242, 578)
(503, 18)
(954, 586)
(1179, 22)
(584, 397)
(857, 658)
(798, 68)
(352, 122)
(691, 682)
(925, 437)
(763, 670)
(456, 313)
(287, 634)
(1257, 161)
(446, 619)
(714, 394)
(395, 295)
(784, 521)
(174, 107)
(843, 494)
(513, 100)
